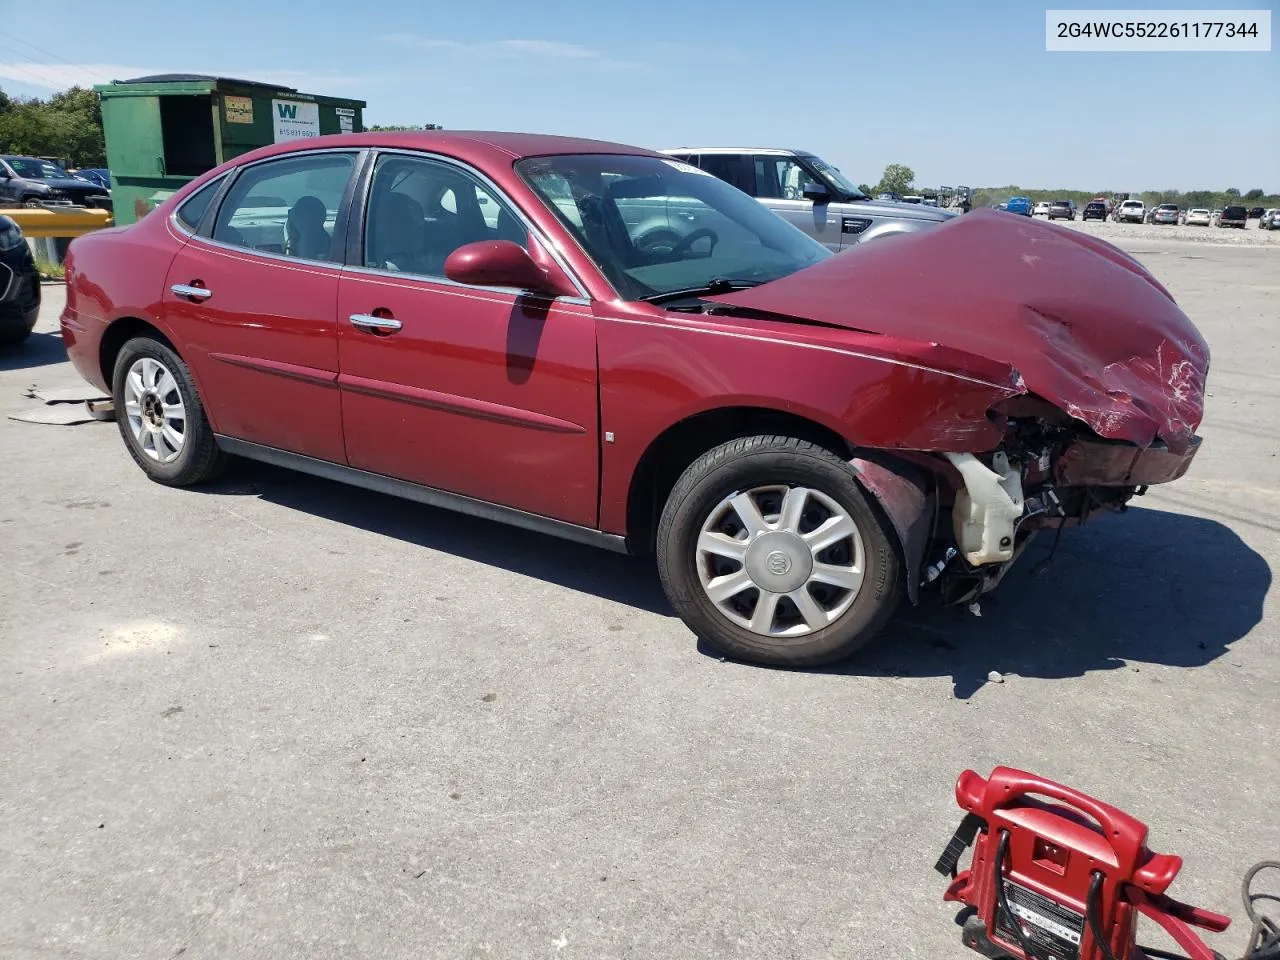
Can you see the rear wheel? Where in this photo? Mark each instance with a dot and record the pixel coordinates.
(769, 550)
(160, 415)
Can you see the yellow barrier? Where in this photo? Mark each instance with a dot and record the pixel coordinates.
(59, 221)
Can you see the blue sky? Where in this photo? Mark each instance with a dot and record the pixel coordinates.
(962, 93)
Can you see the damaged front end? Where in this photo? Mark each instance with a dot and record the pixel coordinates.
(1050, 472)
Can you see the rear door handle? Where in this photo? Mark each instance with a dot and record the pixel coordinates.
(190, 292)
(372, 324)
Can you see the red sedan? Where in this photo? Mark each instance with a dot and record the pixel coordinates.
(605, 344)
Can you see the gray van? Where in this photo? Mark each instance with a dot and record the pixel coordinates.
(810, 193)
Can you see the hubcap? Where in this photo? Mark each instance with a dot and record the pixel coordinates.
(780, 561)
(154, 409)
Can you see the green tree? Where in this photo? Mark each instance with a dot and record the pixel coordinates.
(1231, 192)
(1257, 193)
(865, 188)
(68, 125)
(897, 178)
(411, 127)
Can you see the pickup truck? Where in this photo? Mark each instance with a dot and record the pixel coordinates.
(1234, 217)
(1131, 211)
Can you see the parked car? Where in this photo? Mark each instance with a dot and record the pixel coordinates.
(19, 285)
(1198, 217)
(1062, 210)
(1255, 213)
(811, 194)
(1019, 205)
(1166, 213)
(1041, 209)
(722, 399)
(1131, 211)
(1234, 217)
(1094, 210)
(31, 182)
(1270, 219)
(99, 175)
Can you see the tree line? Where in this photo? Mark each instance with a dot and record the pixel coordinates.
(68, 125)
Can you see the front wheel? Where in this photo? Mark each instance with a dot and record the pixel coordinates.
(770, 551)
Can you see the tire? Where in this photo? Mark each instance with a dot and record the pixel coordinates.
(764, 469)
(13, 334)
(197, 457)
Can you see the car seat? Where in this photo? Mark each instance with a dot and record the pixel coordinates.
(305, 235)
(397, 235)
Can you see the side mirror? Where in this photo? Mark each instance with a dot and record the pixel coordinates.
(498, 263)
(816, 192)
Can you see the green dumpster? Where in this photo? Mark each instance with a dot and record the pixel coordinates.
(164, 131)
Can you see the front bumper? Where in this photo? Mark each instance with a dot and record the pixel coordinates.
(19, 295)
(1102, 463)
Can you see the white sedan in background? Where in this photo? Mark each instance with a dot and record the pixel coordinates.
(1041, 209)
(1198, 217)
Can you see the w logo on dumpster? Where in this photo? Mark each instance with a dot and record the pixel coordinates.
(294, 119)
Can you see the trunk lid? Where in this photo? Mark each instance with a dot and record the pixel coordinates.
(1086, 326)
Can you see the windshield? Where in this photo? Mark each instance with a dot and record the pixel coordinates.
(655, 226)
(836, 178)
(38, 169)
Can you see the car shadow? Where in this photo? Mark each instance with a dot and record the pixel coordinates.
(38, 350)
(632, 581)
(1148, 587)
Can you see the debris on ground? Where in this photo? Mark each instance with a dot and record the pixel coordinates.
(995, 676)
(66, 406)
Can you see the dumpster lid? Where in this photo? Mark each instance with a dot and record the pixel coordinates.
(205, 78)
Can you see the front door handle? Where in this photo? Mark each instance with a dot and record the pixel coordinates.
(372, 324)
(190, 292)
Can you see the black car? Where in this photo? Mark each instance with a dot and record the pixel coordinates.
(19, 285)
(32, 182)
(1094, 210)
(1255, 213)
(1234, 217)
(1062, 210)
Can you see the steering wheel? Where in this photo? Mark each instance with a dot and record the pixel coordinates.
(689, 239)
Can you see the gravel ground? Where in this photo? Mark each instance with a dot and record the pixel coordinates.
(1127, 233)
(282, 718)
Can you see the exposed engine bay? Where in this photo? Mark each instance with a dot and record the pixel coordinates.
(1050, 472)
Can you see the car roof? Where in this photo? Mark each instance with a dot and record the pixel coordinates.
(768, 151)
(469, 145)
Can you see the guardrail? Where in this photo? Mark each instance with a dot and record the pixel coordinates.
(49, 230)
(38, 222)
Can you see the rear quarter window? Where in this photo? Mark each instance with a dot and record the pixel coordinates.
(192, 210)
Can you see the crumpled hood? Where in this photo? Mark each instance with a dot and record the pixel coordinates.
(1082, 322)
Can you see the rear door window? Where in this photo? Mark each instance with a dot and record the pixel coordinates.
(287, 207)
(732, 168)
